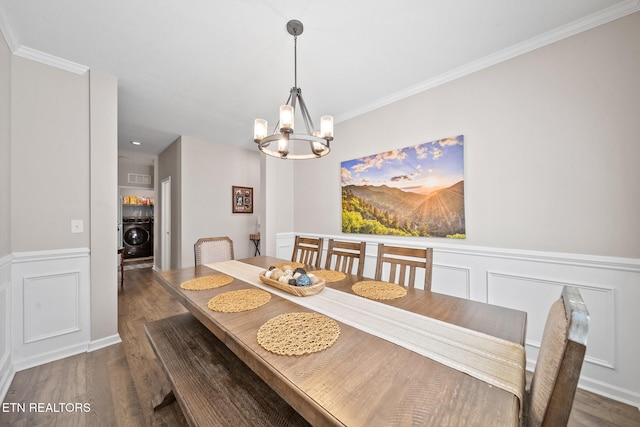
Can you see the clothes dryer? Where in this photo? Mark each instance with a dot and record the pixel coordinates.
(137, 237)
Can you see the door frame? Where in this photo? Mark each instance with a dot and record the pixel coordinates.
(165, 223)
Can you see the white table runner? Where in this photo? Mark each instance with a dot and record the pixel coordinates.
(494, 360)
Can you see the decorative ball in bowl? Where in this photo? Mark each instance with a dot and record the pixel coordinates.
(294, 281)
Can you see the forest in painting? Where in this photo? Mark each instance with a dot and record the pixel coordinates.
(413, 191)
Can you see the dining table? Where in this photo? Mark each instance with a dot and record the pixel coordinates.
(382, 370)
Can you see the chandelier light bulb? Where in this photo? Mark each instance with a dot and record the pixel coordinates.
(286, 117)
(326, 127)
(317, 147)
(260, 129)
(283, 147)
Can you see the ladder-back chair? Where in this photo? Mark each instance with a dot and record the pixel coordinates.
(403, 263)
(307, 250)
(345, 256)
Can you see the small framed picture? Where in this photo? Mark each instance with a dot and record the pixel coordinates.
(242, 199)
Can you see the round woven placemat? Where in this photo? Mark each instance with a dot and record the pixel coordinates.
(374, 289)
(207, 282)
(329, 275)
(291, 264)
(241, 300)
(295, 334)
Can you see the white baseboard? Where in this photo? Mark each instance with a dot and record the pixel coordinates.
(6, 367)
(7, 372)
(52, 356)
(104, 342)
(612, 392)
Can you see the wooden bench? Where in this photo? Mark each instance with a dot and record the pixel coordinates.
(211, 384)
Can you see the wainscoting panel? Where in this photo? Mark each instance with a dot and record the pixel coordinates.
(50, 306)
(451, 280)
(529, 293)
(44, 320)
(530, 281)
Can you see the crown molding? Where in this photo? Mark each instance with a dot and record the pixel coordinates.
(35, 55)
(54, 61)
(594, 20)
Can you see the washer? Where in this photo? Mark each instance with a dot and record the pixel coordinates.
(137, 236)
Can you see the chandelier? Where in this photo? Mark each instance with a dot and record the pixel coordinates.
(284, 142)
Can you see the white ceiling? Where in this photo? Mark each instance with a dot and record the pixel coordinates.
(207, 68)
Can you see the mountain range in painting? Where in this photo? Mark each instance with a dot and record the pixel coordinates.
(370, 209)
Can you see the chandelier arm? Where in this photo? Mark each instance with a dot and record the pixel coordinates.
(305, 115)
(293, 96)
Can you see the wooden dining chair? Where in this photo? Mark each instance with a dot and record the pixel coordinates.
(345, 256)
(307, 250)
(549, 400)
(403, 260)
(213, 249)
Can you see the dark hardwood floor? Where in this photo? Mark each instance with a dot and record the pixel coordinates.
(119, 382)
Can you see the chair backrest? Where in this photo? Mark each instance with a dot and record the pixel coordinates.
(307, 250)
(347, 255)
(403, 260)
(213, 249)
(555, 378)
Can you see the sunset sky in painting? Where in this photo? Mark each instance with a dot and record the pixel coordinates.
(420, 168)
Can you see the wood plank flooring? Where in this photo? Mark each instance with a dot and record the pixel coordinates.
(119, 382)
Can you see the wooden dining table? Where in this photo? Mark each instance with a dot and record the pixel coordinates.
(362, 379)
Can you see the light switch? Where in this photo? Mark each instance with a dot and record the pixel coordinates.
(76, 226)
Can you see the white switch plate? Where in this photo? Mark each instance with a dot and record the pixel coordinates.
(76, 226)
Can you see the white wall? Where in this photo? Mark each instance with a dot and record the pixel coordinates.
(209, 170)
(551, 182)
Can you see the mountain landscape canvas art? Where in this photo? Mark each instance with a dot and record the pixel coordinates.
(412, 191)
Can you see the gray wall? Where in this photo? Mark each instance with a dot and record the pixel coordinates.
(551, 147)
(132, 162)
(104, 204)
(5, 211)
(5, 149)
(202, 174)
(206, 194)
(169, 165)
(50, 157)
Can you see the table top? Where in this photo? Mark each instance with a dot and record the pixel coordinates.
(362, 379)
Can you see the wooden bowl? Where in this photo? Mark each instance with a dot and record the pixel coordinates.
(300, 291)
